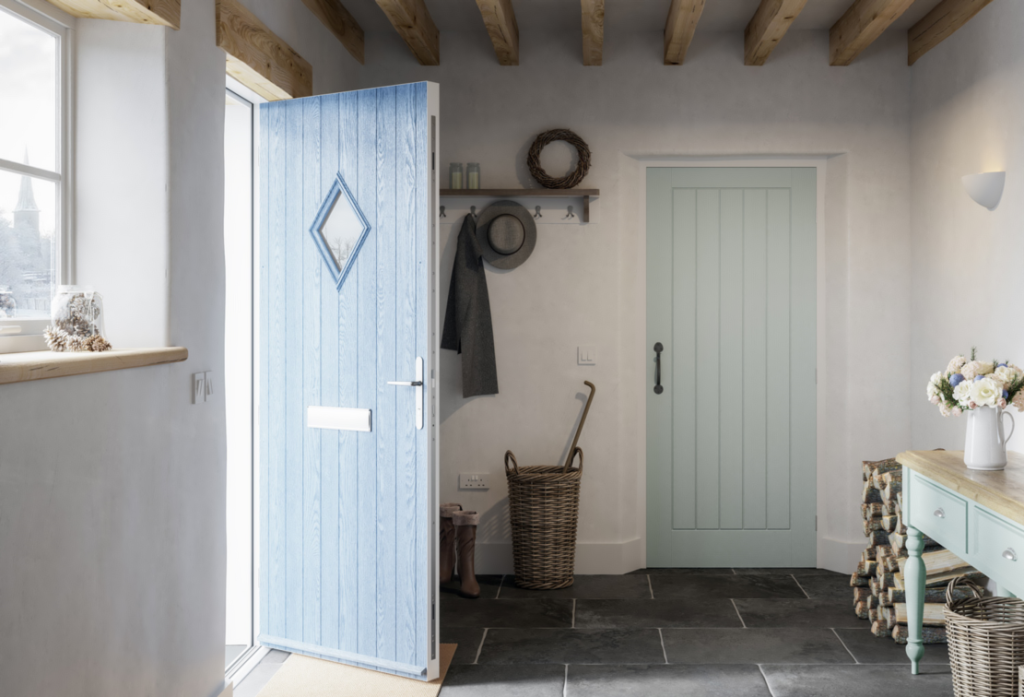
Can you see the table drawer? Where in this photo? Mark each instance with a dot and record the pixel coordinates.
(939, 514)
(997, 547)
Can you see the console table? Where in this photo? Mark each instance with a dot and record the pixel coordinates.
(978, 516)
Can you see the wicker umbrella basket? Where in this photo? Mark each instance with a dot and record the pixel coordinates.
(544, 506)
(986, 642)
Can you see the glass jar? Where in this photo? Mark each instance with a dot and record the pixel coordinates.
(455, 176)
(77, 310)
(473, 175)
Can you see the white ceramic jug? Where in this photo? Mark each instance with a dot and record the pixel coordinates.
(985, 447)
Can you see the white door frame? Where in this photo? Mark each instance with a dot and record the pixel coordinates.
(640, 351)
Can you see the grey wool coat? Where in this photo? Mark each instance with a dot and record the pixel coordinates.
(467, 319)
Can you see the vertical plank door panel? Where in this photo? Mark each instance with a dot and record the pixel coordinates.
(330, 494)
(707, 378)
(366, 391)
(778, 364)
(348, 393)
(405, 361)
(684, 359)
(276, 515)
(386, 394)
(311, 373)
(755, 362)
(731, 322)
(295, 417)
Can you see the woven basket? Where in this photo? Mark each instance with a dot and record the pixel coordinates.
(986, 642)
(544, 506)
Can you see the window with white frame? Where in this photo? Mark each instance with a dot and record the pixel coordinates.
(33, 171)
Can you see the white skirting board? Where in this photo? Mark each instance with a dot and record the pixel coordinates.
(591, 557)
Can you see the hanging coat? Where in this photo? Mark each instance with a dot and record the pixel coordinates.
(467, 319)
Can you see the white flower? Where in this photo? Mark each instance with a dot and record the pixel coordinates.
(944, 410)
(985, 393)
(985, 367)
(933, 385)
(971, 370)
(1005, 375)
(962, 393)
(1018, 400)
(955, 365)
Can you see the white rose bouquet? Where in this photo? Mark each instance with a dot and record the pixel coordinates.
(969, 384)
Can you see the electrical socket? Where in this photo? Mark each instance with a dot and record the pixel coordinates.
(473, 481)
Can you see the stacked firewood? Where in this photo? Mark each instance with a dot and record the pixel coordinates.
(878, 589)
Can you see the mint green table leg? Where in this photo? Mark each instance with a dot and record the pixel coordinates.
(914, 583)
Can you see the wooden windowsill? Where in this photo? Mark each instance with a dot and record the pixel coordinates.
(40, 365)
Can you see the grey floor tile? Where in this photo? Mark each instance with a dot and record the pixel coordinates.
(488, 586)
(782, 645)
(536, 612)
(572, 646)
(704, 586)
(857, 681)
(504, 681)
(867, 648)
(665, 681)
(468, 639)
(786, 612)
(789, 571)
(257, 679)
(597, 587)
(685, 572)
(656, 613)
(829, 586)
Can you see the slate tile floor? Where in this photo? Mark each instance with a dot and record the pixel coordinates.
(679, 632)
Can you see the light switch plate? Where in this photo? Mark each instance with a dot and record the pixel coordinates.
(473, 481)
(586, 355)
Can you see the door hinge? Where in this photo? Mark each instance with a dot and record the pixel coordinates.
(433, 163)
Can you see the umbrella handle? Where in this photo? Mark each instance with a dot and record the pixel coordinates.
(579, 429)
(510, 456)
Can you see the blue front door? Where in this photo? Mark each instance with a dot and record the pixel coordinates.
(348, 500)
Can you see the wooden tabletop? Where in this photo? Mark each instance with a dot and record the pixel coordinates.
(1002, 492)
(40, 365)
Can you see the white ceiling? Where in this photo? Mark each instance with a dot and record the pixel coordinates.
(626, 16)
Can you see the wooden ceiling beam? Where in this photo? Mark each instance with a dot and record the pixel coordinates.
(258, 58)
(683, 16)
(342, 24)
(939, 24)
(862, 23)
(412, 21)
(593, 31)
(767, 27)
(163, 12)
(500, 21)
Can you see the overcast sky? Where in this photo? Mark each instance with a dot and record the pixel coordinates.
(28, 109)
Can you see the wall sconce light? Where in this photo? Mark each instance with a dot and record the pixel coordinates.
(986, 188)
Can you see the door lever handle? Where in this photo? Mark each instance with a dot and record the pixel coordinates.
(658, 348)
(418, 384)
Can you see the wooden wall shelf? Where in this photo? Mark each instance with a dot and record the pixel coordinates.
(40, 365)
(585, 194)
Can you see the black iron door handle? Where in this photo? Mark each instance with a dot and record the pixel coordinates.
(658, 348)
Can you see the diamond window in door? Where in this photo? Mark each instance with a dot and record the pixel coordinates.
(339, 230)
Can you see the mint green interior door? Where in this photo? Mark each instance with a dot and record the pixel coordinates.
(731, 297)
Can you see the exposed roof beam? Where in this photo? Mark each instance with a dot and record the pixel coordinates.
(258, 58)
(500, 20)
(341, 23)
(767, 27)
(939, 24)
(683, 16)
(165, 12)
(860, 26)
(412, 21)
(593, 31)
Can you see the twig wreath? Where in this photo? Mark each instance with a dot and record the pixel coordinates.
(571, 179)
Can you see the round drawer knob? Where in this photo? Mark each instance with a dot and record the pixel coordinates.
(1010, 555)
(939, 513)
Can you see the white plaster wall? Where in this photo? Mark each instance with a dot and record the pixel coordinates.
(585, 284)
(112, 486)
(968, 117)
